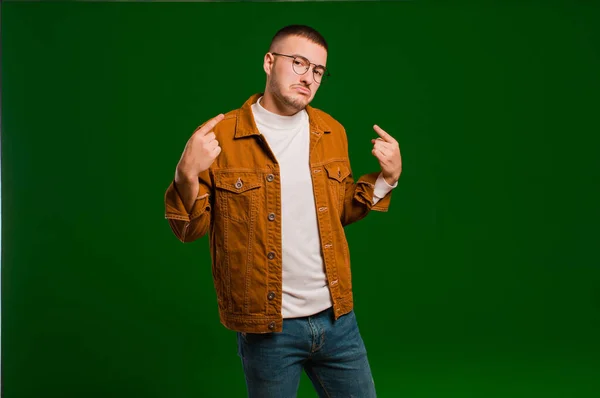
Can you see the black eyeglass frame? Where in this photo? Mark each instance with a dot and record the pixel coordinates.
(326, 73)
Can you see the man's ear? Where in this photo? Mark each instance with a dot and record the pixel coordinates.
(268, 63)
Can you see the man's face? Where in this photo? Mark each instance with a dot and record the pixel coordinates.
(288, 87)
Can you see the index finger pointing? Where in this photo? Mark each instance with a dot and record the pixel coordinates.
(385, 136)
(208, 126)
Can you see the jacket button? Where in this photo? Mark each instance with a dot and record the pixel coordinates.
(271, 296)
(272, 325)
(270, 177)
(271, 216)
(271, 255)
(239, 183)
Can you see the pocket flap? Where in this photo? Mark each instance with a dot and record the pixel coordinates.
(237, 182)
(337, 170)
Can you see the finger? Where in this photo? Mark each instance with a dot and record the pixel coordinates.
(381, 147)
(213, 144)
(377, 153)
(208, 126)
(210, 137)
(384, 145)
(383, 152)
(384, 136)
(216, 151)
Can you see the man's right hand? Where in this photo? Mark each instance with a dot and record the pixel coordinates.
(200, 151)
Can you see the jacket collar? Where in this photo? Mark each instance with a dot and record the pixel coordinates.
(246, 126)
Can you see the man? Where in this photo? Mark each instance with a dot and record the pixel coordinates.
(271, 184)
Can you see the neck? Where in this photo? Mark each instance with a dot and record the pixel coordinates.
(272, 104)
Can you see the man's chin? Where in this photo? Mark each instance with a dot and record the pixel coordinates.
(298, 102)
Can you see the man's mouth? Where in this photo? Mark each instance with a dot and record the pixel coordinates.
(303, 90)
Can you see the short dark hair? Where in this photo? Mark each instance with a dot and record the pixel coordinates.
(299, 30)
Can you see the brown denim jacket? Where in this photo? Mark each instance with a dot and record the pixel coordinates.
(239, 206)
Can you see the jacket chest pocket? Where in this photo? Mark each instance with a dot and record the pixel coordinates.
(337, 172)
(237, 194)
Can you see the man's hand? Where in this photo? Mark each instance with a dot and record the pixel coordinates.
(387, 152)
(200, 151)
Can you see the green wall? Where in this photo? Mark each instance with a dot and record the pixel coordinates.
(483, 280)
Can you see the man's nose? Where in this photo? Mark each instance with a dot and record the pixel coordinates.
(307, 78)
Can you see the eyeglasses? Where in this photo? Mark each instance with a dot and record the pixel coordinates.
(301, 65)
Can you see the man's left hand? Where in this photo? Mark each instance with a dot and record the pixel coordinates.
(387, 152)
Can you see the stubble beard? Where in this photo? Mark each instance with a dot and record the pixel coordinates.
(286, 100)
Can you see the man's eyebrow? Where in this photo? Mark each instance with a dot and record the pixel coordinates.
(300, 55)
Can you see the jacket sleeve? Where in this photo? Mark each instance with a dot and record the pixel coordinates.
(188, 227)
(358, 197)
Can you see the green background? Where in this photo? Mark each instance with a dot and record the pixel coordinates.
(483, 280)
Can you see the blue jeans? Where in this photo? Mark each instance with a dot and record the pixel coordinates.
(332, 354)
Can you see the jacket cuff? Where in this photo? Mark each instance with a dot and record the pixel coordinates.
(175, 209)
(366, 188)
